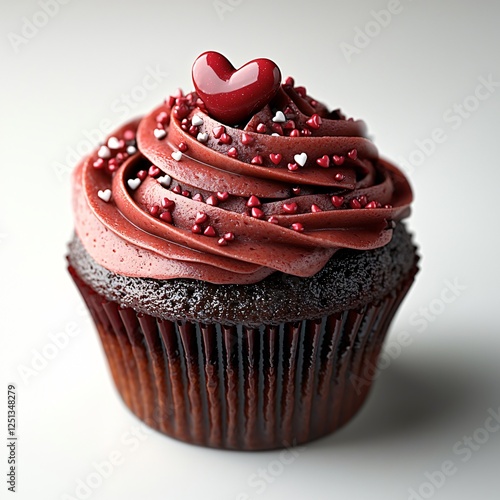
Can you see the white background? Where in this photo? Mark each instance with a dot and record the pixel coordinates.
(74, 71)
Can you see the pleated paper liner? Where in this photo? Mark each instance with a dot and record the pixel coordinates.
(243, 388)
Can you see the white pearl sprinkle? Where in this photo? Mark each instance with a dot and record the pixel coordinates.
(134, 183)
(177, 155)
(165, 180)
(104, 152)
(279, 117)
(300, 159)
(274, 134)
(160, 133)
(104, 195)
(202, 137)
(197, 120)
(131, 150)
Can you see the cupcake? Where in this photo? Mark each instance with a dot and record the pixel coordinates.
(242, 254)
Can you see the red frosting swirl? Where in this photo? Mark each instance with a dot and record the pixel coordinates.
(190, 197)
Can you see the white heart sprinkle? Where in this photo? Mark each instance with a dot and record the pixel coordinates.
(134, 183)
(202, 137)
(197, 120)
(274, 134)
(114, 143)
(104, 152)
(300, 159)
(159, 133)
(177, 155)
(131, 150)
(279, 117)
(104, 195)
(165, 180)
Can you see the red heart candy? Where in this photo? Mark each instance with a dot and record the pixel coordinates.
(233, 95)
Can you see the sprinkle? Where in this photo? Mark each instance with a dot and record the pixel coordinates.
(273, 219)
(275, 158)
(324, 161)
(225, 139)
(104, 195)
(300, 159)
(180, 112)
(261, 128)
(218, 131)
(154, 171)
(196, 229)
(134, 183)
(163, 117)
(129, 135)
(222, 196)
(295, 133)
(115, 143)
(279, 117)
(182, 147)
(154, 210)
(301, 91)
(104, 152)
(289, 81)
(372, 204)
(297, 226)
(159, 133)
(177, 155)
(338, 160)
(209, 231)
(363, 200)
(246, 139)
(198, 197)
(99, 163)
(131, 150)
(201, 217)
(296, 190)
(167, 203)
(176, 189)
(193, 131)
(233, 153)
(142, 174)
(186, 193)
(257, 160)
(315, 209)
(337, 201)
(353, 154)
(387, 206)
(229, 236)
(293, 167)
(222, 242)
(289, 125)
(197, 120)
(202, 137)
(275, 134)
(165, 180)
(314, 122)
(354, 203)
(253, 201)
(257, 213)
(339, 177)
(290, 208)
(278, 129)
(212, 200)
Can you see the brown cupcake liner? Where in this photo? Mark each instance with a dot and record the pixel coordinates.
(243, 388)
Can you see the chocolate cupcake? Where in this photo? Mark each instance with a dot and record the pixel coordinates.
(242, 254)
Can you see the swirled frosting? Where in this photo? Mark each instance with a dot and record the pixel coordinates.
(178, 194)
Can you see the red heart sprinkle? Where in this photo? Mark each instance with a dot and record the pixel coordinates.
(218, 131)
(246, 139)
(222, 242)
(257, 160)
(142, 174)
(233, 153)
(338, 160)
(212, 200)
(353, 154)
(166, 203)
(166, 217)
(182, 147)
(290, 208)
(295, 133)
(223, 196)
(315, 209)
(225, 139)
(273, 219)
(337, 201)
(154, 171)
(324, 161)
(257, 213)
(201, 217)
(233, 95)
(297, 226)
(275, 158)
(314, 122)
(253, 201)
(209, 231)
(196, 229)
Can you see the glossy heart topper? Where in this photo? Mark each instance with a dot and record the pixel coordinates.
(233, 95)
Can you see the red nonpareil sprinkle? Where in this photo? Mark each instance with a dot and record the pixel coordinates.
(218, 131)
(154, 210)
(209, 231)
(154, 171)
(277, 128)
(142, 174)
(353, 154)
(324, 161)
(289, 125)
(183, 147)
(293, 167)
(339, 177)
(296, 190)
(338, 160)
(229, 236)
(177, 189)
(297, 226)
(186, 193)
(246, 139)
(196, 229)
(261, 128)
(315, 121)
(222, 242)
(99, 163)
(225, 139)
(354, 203)
(222, 196)
(301, 91)
(289, 81)
(198, 197)
(167, 203)
(200, 218)
(233, 153)
(193, 130)
(363, 200)
(180, 112)
(275, 158)
(295, 132)
(273, 219)
(257, 213)
(212, 200)
(337, 201)
(315, 209)
(257, 160)
(290, 208)
(166, 217)
(129, 135)
(253, 201)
